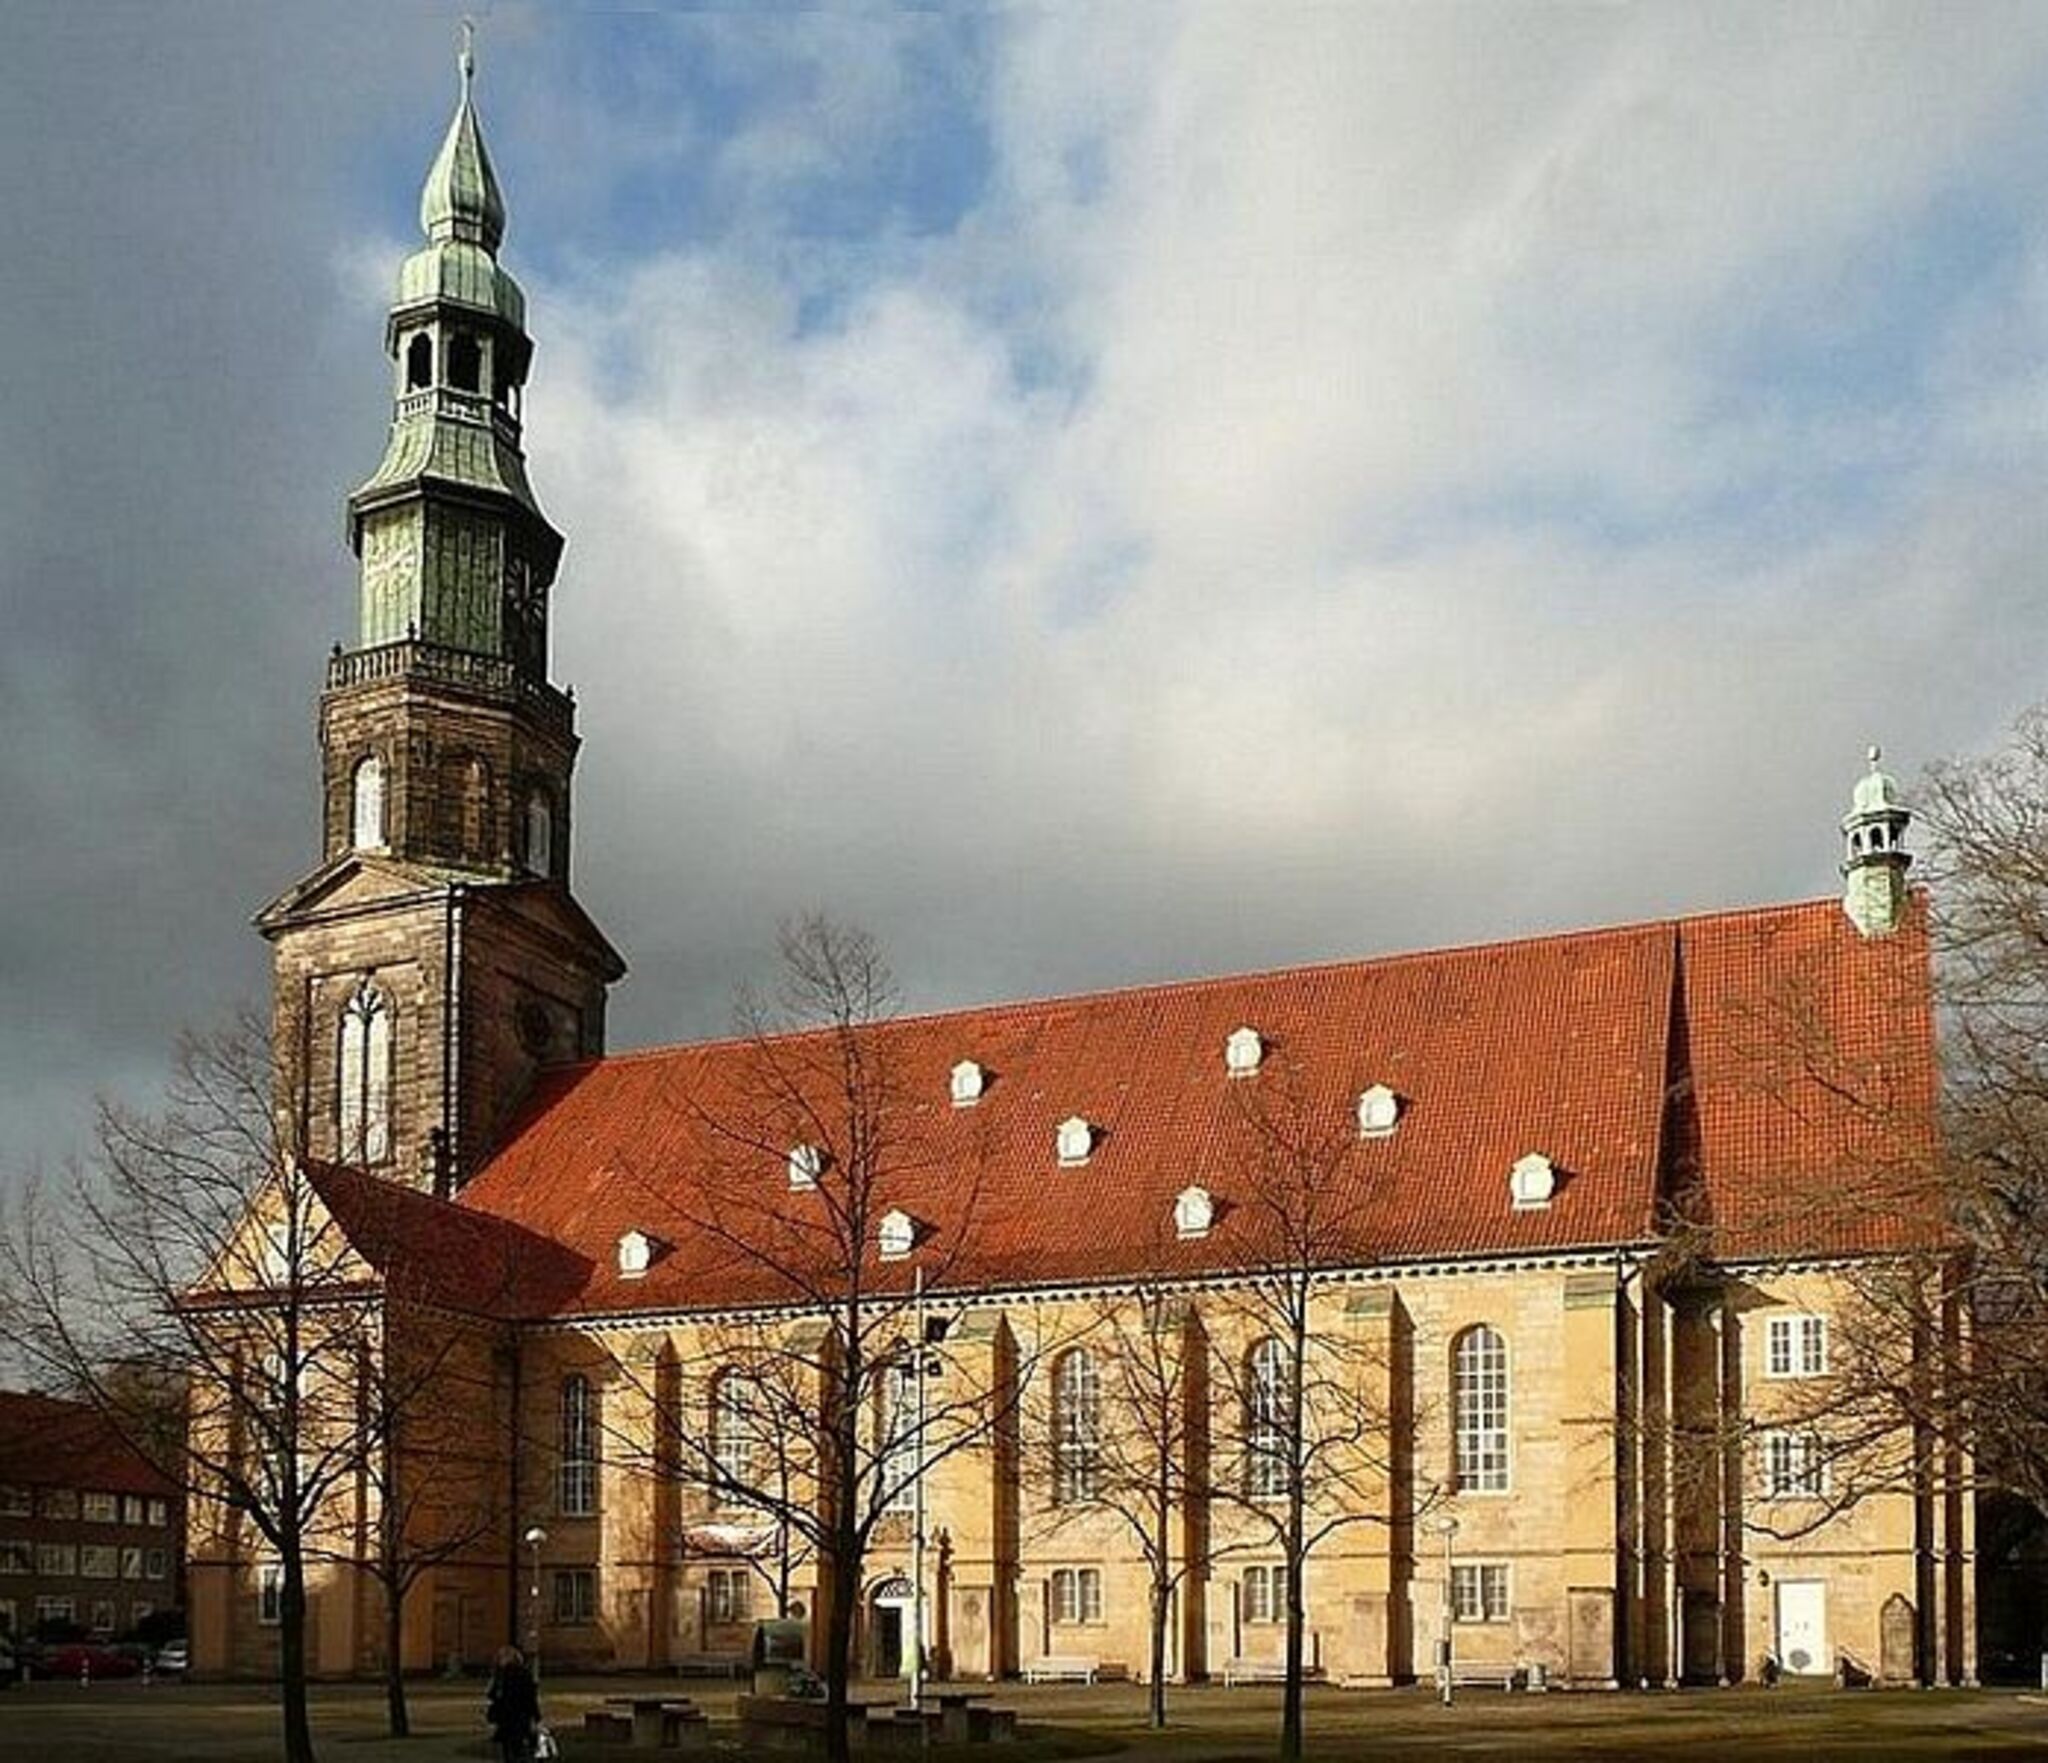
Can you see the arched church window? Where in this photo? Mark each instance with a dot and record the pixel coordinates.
(366, 811)
(1077, 1427)
(1479, 1402)
(364, 1087)
(540, 833)
(736, 1434)
(1265, 1420)
(465, 362)
(419, 362)
(576, 1492)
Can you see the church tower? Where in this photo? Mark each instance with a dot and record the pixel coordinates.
(436, 958)
(1875, 858)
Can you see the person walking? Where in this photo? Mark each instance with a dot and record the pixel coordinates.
(512, 1706)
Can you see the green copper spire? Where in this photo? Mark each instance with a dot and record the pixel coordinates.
(461, 199)
(455, 551)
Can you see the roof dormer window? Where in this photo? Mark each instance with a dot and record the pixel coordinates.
(896, 1235)
(1531, 1182)
(1243, 1051)
(1379, 1112)
(1193, 1212)
(636, 1254)
(1075, 1140)
(967, 1083)
(806, 1164)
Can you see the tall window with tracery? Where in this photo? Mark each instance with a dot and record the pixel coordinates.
(1479, 1378)
(896, 1440)
(736, 1435)
(1077, 1428)
(576, 1492)
(363, 1092)
(366, 806)
(1265, 1421)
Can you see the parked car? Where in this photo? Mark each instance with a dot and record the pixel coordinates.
(86, 1658)
(173, 1659)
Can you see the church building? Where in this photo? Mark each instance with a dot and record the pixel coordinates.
(1580, 1214)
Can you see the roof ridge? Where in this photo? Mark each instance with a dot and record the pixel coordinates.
(1670, 923)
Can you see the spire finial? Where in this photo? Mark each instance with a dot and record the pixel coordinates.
(1874, 754)
(465, 57)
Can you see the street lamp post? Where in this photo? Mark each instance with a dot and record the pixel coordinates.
(535, 1536)
(1447, 1527)
(917, 1514)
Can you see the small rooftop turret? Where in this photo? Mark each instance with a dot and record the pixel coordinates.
(1875, 858)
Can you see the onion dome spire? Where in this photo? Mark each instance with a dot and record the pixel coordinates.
(461, 199)
(1875, 858)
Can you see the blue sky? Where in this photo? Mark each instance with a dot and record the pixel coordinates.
(1094, 494)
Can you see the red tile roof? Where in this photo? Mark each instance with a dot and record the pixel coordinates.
(1743, 1064)
(45, 1442)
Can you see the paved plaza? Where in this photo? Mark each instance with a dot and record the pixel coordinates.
(125, 1723)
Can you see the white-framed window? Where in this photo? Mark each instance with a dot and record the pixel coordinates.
(575, 1595)
(1479, 1591)
(896, 1433)
(1243, 1052)
(731, 1595)
(1479, 1401)
(1379, 1112)
(1073, 1140)
(366, 808)
(576, 1485)
(60, 1502)
(102, 1616)
(159, 1514)
(363, 1089)
(17, 1555)
(131, 1563)
(1265, 1594)
(99, 1561)
(15, 1500)
(1796, 1346)
(132, 1508)
(102, 1508)
(1265, 1429)
(55, 1610)
(157, 1564)
(896, 1235)
(965, 1083)
(1077, 1427)
(736, 1434)
(270, 1593)
(1194, 1212)
(1076, 1594)
(57, 1560)
(806, 1164)
(1795, 1466)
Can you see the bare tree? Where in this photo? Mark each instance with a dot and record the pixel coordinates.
(1308, 1434)
(816, 1408)
(1117, 1425)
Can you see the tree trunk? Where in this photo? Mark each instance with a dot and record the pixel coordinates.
(394, 1660)
(839, 1658)
(291, 1660)
(1156, 1701)
(1290, 1706)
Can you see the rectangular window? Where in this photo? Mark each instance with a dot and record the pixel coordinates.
(577, 1492)
(1794, 1465)
(896, 1438)
(140, 1612)
(102, 1509)
(131, 1563)
(1796, 1346)
(15, 1501)
(57, 1560)
(17, 1555)
(1076, 1594)
(731, 1597)
(55, 1610)
(575, 1595)
(1479, 1591)
(158, 1514)
(133, 1506)
(103, 1616)
(159, 1564)
(270, 1593)
(1265, 1594)
(60, 1502)
(99, 1561)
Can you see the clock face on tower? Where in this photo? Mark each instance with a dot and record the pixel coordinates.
(526, 616)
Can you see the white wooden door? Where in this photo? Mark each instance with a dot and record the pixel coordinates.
(1803, 1626)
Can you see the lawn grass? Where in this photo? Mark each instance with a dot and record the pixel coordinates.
(198, 1723)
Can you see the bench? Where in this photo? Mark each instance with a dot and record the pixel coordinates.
(605, 1727)
(1475, 1676)
(712, 1665)
(1073, 1668)
(1237, 1671)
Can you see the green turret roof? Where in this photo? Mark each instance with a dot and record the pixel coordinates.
(461, 199)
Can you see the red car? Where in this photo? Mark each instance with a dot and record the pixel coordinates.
(82, 1658)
